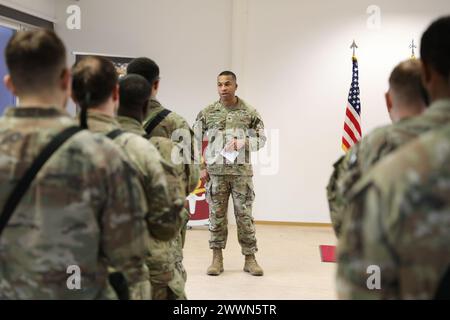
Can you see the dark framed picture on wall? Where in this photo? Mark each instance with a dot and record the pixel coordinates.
(119, 62)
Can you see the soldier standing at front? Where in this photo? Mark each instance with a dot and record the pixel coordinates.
(232, 128)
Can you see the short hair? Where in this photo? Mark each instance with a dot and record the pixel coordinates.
(435, 46)
(135, 91)
(36, 60)
(144, 67)
(406, 82)
(93, 81)
(228, 73)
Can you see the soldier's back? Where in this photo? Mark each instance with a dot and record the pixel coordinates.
(59, 220)
(180, 177)
(147, 160)
(171, 123)
(350, 167)
(374, 147)
(402, 224)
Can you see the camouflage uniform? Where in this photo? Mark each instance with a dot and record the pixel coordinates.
(85, 208)
(399, 222)
(131, 125)
(166, 269)
(163, 216)
(164, 213)
(173, 127)
(220, 124)
(336, 201)
(183, 180)
(177, 129)
(170, 124)
(373, 148)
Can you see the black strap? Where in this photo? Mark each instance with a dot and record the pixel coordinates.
(120, 285)
(25, 182)
(152, 124)
(115, 134)
(83, 118)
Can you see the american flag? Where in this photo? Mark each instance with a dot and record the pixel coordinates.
(352, 124)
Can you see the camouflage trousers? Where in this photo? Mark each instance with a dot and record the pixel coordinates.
(178, 282)
(118, 288)
(167, 274)
(218, 191)
(170, 285)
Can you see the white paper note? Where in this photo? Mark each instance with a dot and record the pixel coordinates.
(230, 156)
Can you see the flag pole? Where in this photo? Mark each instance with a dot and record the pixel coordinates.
(352, 123)
(354, 47)
(412, 46)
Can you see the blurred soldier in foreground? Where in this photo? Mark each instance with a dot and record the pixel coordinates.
(71, 218)
(397, 226)
(405, 99)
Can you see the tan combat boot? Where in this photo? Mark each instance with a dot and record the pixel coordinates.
(252, 266)
(216, 268)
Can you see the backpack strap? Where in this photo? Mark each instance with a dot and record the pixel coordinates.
(115, 134)
(153, 123)
(24, 183)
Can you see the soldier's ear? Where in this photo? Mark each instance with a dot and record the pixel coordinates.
(156, 85)
(388, 102)
(66, 81)
(9, 84)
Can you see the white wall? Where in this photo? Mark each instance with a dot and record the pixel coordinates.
(293, 62)
(41, 8)
(189, 39)
(298, 72)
